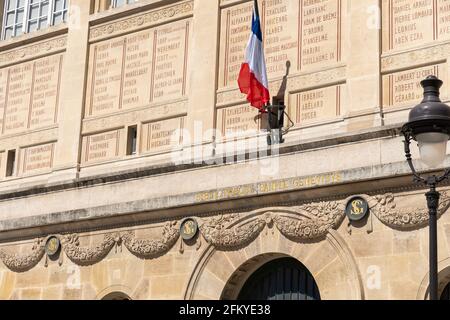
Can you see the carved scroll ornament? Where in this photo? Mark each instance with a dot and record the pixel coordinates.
(24, 262)
(152, 248)
(385, 208)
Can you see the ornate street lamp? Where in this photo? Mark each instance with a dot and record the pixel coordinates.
(429, 125)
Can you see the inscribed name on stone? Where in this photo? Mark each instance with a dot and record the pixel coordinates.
(37, 158)
(3, 84)
(2, 161)
(138, 69)
(29, 94)
(403, 88)
(102, 146)
(162, 135)
(316, 105)
(238, 120)
(412, 23)
(298, 35)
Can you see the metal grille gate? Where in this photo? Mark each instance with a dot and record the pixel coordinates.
(280, 279)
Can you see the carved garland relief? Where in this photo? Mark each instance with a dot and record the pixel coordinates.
(306, 222)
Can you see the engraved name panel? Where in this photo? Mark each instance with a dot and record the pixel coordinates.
(320, 33)
(443, 20)
(2, 161)
(306, 33)
(3, 89)
(280, 25)
(316, 105)
(162, 135)
(238, 120)
(403, 88)
(170, 62)
(37, 158)
(235, 31)
(101, 147)
(45, 94)
(106, 76)
(136, 70)
(29, 94)
(18, 98)
(411, 23)
(138, 66)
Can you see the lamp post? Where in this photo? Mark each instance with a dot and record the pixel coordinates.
(429, 126)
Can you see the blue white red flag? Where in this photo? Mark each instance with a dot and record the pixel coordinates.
(253, 75)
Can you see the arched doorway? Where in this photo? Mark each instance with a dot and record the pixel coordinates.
(446, 293)
(116, 296)
(280, 279)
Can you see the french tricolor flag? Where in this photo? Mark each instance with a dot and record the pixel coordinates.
(253, 75)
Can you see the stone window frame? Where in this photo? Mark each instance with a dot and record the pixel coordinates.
(25, 23)
(116, 4)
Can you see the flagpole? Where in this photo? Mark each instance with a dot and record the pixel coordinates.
(256, 8)
(257, 15)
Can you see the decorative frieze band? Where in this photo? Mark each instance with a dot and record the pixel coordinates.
(414, 58)
(34, 50)
(311, 221)
(142, 20)
(147, 114)
(295, 83)
(317, 79)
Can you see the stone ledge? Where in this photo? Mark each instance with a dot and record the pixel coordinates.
(393, 177)
(167, 168)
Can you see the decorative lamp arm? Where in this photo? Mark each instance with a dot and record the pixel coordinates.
(407, 143)
(430, 181)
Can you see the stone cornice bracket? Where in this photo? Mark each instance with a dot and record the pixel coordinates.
(24, 262)
(306, 222)
(150, 249)
(385, 208)
(88, 256)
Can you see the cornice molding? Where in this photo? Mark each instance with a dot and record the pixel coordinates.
(33, 51)
(141, 20)
(303, 223)
(418, 57)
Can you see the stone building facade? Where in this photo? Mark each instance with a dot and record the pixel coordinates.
(123, 131)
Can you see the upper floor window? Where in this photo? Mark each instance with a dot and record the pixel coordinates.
(23, 16)
(118, 3)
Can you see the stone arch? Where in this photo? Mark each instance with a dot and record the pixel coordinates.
(443, 276)
(240, 277)
(115, 291)
(116, 295)
(329, 260)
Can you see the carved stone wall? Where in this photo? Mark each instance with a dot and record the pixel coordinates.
(315, 233)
